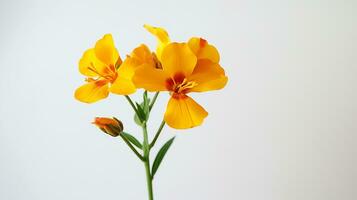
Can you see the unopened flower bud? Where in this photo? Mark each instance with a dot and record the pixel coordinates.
(111, 126)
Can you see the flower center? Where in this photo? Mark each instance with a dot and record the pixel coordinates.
(184, 86)
(179, 84)
(109, 73)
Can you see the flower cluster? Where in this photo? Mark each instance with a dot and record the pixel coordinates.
(177, 67)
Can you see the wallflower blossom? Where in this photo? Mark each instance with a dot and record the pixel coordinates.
(186, 67)
(101, 66)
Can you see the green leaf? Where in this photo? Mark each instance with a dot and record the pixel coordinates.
(145, 107)
(132, 140)
(146, 104)
(141, 113)
(160, 155)
(137, 120)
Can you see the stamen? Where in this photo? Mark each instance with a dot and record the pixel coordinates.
(184, 86)
(110, 77)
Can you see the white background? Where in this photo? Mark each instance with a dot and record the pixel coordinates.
(284, 128)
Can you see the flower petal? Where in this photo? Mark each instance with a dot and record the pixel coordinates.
(89, 63)
(160, 33)
(183, 112)
(127, 69)
(150, 78)
(92, 91)
(123, 83)
(177, 58)
(203, 50)
(122, 86)
(208, 76)
(106, 52)
(162, 38)
(142, 55)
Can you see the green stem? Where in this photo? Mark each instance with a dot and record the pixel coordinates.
(153, 100)
(149, 180)
(146, 148)
(131, 103)
(132, 148)
(157, 133)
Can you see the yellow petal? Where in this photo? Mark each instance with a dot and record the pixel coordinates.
(89, 65)
(160, 33)
(177, 58)
(208, 76)
(183, 112)
(92, 91)
(150, 78)
(123, 83)
(122, 86)
(203, 50)
(142, 55)
(106, 52)
(128, 67)
(162, 38)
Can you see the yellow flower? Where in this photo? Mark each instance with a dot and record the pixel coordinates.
(182, 72)
(184, 68)
(101, 66)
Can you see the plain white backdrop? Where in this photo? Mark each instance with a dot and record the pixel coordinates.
(284, 128)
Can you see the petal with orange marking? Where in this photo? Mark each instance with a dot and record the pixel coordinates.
(123, 84)
(203, 50)
(177, 58)
(151, 79)
(92, 91)
(183, 112)
(208, 76)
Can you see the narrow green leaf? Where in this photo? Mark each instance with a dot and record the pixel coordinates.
(144, 110)
(145, 95)
(146, 104)
(160, 155)
(141, 113)
(137, 120)
(132, 140)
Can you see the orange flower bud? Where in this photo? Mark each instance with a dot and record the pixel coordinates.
(111, 126)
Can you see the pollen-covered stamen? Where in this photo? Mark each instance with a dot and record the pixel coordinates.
(184, 86)
(111, 76)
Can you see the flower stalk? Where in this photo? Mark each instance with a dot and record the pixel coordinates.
(146, 147)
